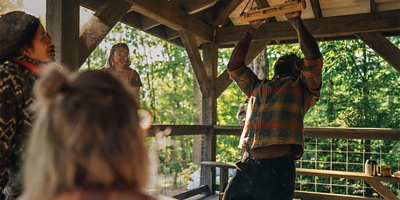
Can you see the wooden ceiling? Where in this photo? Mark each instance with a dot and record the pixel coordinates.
(218, 20)
(196, 24)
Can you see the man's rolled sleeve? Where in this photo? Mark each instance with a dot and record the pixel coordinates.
(245, 79)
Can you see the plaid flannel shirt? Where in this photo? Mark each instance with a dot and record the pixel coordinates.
(277, 107)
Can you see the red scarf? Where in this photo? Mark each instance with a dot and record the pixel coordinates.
(31, 67)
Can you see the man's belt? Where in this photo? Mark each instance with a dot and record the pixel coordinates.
(269, 152)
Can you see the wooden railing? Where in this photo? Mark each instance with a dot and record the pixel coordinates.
(210, 131)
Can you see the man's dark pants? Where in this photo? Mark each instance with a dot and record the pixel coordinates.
(269, 179)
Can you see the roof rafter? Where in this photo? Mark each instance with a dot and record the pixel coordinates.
(320, 28)
(222, 9)
(172, 17)
(382, 47)
(316, 8)
(99, 25)
(198, 66)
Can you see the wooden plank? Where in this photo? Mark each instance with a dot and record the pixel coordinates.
(333, 8)
(224, 174)
(374, 181)
(222, 82)
(201, 189)
(264, 4)
(272, 11)
(99, 25)
(194, 55)
(344, 174)
(172, 17)
(326, 196)
(382, 47)
(335, 133)
(382, 190)
(353, 133)
(320, 28)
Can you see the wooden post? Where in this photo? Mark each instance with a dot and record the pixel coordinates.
(62, 23)
(209, 109)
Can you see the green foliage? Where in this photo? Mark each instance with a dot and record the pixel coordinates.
(10, 5)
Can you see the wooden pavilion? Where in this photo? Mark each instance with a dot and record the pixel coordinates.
(212, 24)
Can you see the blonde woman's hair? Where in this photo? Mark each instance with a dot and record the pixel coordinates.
(86, 134)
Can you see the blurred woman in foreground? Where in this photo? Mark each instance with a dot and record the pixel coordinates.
(87, 142)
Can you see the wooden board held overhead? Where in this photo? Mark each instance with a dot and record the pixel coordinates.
(273, 11)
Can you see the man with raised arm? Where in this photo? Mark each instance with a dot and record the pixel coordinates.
(272, 137)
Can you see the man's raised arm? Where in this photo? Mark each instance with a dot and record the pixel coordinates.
(242, 47)
(308, 45)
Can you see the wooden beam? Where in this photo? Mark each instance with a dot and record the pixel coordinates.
(171, 34)
(326, 196)
(147, 23)
(372, 6)
(320, 28)
(316, 8)
(91, 4)
(222, 82)
(158, 31)
(190, 193)
(222, 9)
(194, 55)
(382, 190)
(353, 133)
(65, 35)
(374, 181)
(173, 17)
(132, 19)
(192, 7)
(99, 25)
(335, 133)
(272, 11)
(383, 47)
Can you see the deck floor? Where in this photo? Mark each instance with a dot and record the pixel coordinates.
(203, 197)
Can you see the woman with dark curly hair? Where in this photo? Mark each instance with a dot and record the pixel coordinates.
(119, 64)
(24, 44)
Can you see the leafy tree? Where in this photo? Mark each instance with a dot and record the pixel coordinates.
(10, 5)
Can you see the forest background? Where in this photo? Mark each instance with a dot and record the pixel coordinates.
(360, 89)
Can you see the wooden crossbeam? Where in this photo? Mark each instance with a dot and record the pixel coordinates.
(264, 13)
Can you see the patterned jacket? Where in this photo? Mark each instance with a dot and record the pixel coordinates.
(16, 85)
